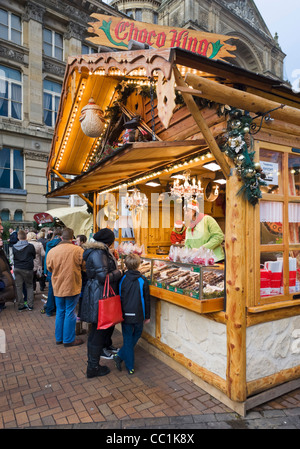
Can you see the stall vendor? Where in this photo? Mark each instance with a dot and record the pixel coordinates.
(203, 230)
(178, 233)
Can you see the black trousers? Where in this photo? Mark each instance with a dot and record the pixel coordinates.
(101, 337)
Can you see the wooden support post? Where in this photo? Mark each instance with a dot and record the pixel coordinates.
(222, 94)
(236, 266)
(204, 128)
(95, 213)
(79, 194)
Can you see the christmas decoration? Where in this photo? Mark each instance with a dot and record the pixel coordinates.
(237, 147)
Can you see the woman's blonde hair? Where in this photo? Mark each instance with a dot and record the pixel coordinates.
(31, 236)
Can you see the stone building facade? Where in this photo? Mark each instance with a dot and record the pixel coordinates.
(257, 50)
(36, 38)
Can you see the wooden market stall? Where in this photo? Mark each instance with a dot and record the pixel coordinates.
(243, 346)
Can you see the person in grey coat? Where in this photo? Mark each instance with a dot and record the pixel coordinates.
(99, 262)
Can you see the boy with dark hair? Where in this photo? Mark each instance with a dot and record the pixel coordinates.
(135, 299)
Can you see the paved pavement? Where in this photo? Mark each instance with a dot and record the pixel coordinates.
(44, 386)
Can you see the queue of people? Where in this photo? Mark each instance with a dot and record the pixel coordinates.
(76, 275)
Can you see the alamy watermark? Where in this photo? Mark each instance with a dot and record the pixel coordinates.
(2, 342)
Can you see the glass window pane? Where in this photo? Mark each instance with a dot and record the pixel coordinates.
(47, 49)
(18, 216)
(294, 222)
(3, 17)
(16, 92)
(48, 118)
(16, 37)
(271, 164)
(271, 282)
(271, 217)
(16, 22)
(3, 88)
(294, 175)
(84, 49)
(5, 158)
(56, 99)
(4, 108)
(47, 36)
(18, 160)
(16, 110)
(5, 214)
(51, 86)
(4, 178)
(58, 40)
(18, 180)
(58, 53)
(3, 32)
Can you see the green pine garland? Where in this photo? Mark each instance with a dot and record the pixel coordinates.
(236, 148)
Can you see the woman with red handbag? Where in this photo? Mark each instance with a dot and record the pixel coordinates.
(100, 262)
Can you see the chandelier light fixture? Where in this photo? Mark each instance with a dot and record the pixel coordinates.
(187, 189)
(136, 200)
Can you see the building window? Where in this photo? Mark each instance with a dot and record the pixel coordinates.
(87, 50)
(52, 93)
(129, 13)
(18, 215)
(138, 15)
(155, 18)
(5, 215)
(11, 169)
(10, 27)
(53, 44)
(10, 93)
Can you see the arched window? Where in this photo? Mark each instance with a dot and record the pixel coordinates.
(5, 215)
(18, 216)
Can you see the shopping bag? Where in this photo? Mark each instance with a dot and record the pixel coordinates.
(109, 307)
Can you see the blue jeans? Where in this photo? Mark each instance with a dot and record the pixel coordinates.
(50, 305)
(65, 321)
(131, 334)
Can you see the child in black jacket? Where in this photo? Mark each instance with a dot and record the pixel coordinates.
(135, 299)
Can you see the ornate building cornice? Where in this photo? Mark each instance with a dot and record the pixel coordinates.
(34, 12)
(35, 155)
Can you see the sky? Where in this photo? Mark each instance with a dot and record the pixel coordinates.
(283, 17)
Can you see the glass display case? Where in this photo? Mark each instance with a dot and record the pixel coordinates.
(199, 282)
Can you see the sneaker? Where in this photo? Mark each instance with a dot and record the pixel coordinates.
(29, 308)
(131, 371)
(113, 349)
(21, 308)
(118, 362)
(105, 354)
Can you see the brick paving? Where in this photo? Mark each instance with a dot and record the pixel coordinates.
(43, 385)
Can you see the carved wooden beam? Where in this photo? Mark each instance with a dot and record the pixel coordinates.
(222, 94)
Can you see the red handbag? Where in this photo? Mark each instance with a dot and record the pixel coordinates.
(109, 307)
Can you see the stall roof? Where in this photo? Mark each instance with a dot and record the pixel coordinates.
(97, 76)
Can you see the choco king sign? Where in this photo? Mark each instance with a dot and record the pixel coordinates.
(116, 32)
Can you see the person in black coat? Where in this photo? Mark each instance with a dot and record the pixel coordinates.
(135, 300)
(7, 283)
(99, 262)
